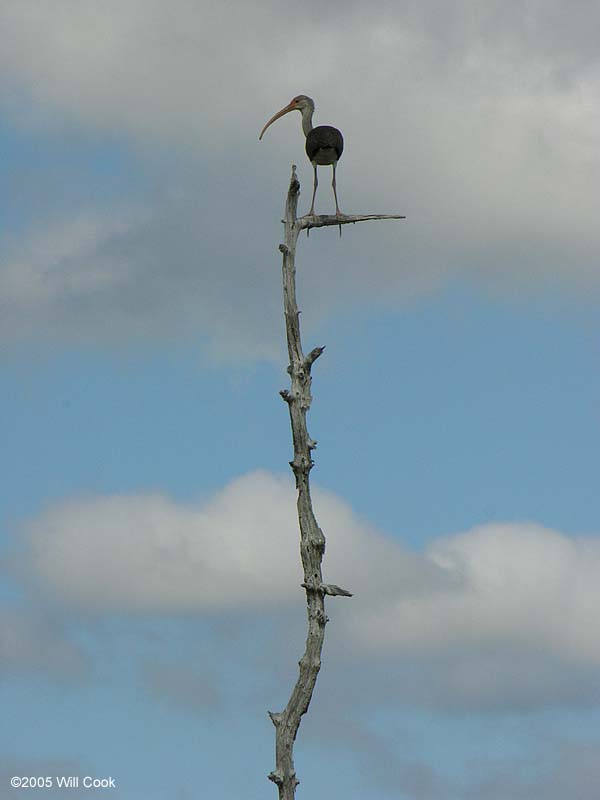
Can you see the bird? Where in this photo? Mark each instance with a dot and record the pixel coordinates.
(324, 144)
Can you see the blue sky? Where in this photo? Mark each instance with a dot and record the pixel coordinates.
(151, 610)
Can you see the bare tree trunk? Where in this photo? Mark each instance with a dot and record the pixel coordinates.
(312, 540)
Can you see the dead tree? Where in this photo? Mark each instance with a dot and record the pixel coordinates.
(312, 540)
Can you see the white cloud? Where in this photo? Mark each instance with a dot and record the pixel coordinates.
(513, 583)
(148, 553)
(237, 551)
(504, 614)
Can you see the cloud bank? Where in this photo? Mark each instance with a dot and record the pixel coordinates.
(482, 131)
(501, 613)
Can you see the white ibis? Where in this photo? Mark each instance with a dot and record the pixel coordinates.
(324, 144)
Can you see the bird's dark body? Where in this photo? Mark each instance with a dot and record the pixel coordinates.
(324, 145)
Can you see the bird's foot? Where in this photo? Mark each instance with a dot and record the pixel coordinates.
(311, 213)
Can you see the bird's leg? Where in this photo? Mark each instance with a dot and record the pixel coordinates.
(337, 208)
(338, 213)
(315, 184)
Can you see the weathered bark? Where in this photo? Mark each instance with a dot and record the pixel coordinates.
(320, 221)
(312, 540)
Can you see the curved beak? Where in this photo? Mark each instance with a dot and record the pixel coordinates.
(290, 107)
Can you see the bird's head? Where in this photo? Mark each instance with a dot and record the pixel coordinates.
(300, 103)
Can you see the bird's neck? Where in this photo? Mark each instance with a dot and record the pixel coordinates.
(307, 115)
